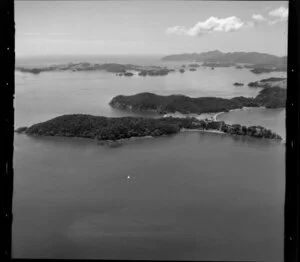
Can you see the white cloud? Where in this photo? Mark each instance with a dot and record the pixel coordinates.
(178, 30)
(281, 13)
(212, 24)
(258, 18)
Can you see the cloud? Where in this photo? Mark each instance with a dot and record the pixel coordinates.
(258, 18)
(280, 13)
(228, 24)
(178, 30)
(210, 25)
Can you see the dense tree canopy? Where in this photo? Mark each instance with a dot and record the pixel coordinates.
(104, 128)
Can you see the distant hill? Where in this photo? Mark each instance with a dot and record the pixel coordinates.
(216, 56)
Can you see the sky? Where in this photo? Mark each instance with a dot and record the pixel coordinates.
(149, 27)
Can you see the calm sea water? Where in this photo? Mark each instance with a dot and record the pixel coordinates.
(192, 196)
(273, 119)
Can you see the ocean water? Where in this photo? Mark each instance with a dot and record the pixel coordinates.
(273, 119)
(191, 196)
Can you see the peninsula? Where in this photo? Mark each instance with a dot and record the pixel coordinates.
(268, 97)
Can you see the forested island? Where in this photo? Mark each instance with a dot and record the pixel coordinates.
(119, 69)
(238, 84)
(274, 97)
(118, 128)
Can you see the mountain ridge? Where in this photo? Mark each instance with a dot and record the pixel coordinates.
(256, 58)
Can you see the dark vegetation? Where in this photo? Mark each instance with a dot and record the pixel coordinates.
(128, 74)
(274, 97)
(181, 70)
(104, 128)
(254, 84)
(270, 82)
(238, 84)
(193, 69)
(34, 71)
(271, 98)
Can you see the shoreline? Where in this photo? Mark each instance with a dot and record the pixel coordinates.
(119, 142)
(212, 124)
(209, 116)
(203, 116)
(238, 109)
(202, 130)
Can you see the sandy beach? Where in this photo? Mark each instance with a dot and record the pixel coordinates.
(202, 130)
(204, 116)
(209, 116)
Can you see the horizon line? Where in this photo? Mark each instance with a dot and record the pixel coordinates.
(142, 54)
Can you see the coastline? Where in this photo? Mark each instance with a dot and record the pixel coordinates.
(202, 130)
(209, 116)
(283, 141)
(238, 109)
(120, 142)
(204, 116)
(208, 123)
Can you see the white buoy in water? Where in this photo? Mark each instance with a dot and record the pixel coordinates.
(128, 177)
